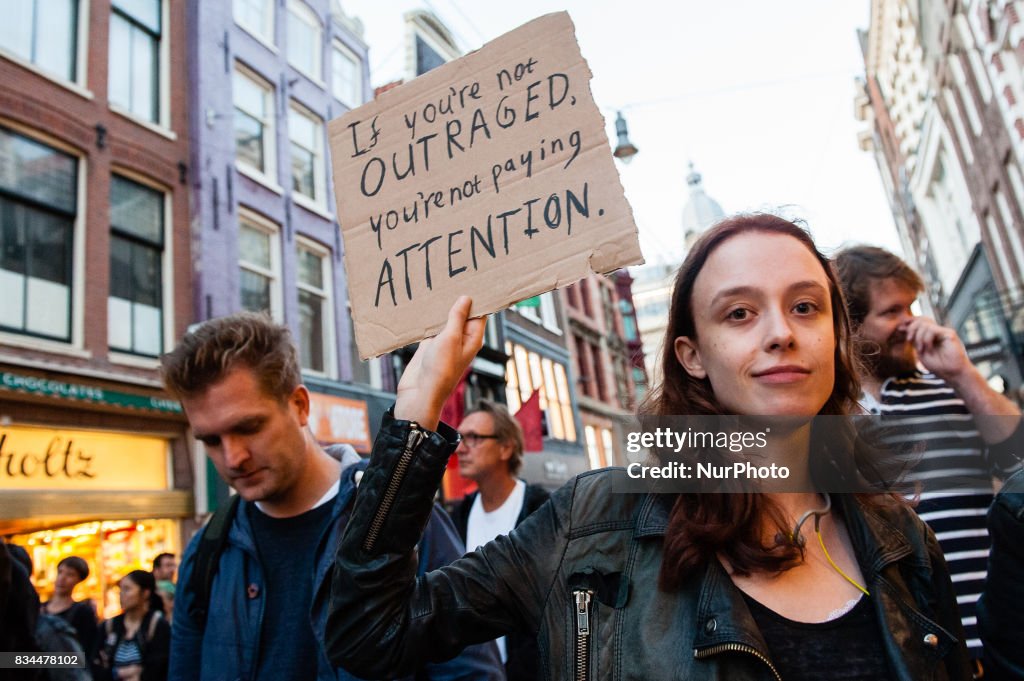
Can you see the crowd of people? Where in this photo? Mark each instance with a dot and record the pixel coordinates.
(131, 646)
(327, 566)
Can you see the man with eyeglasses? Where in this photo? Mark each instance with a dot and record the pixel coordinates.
(491, 454)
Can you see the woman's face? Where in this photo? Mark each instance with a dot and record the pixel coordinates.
(132, 594)
(763, 318)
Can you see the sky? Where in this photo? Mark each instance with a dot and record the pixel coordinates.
(758, 95)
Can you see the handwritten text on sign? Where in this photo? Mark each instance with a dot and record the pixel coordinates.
(490, 175)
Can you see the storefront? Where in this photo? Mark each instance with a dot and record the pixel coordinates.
(336, 420)
(92, 471)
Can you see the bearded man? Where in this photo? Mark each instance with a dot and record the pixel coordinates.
(918, 370)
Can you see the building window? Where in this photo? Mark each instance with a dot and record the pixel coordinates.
(316, 338)
(595, 354)
(259, 263)
(257, 17)
(427, 57)
(527, 372)
(622, 383)
(254, 122)
(584, 285)
(583, 366)
(609, 448)
(135, 307)
(571, 296)
(611, 325)
(541, 310)
(346, 76)
(38, 206)
(134, 74)
(595, 453)
(370, 371)
(528, 308)
(307, 153)
(44, 33)
(304, 39)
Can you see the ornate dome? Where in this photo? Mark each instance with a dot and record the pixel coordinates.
(701, 211)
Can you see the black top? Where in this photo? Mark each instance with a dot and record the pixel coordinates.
(523, 657)
(287, 546)
(153, 639)
(82, 616)
(19, 609)
(848, 648)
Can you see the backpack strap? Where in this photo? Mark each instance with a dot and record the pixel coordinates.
(207, 559)
(157, 616)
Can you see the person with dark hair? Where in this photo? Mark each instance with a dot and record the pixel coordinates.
(1000, 616)
(490, 454)
(251, 613)
(136, 644)
(964, 427)
(165, 567)
(19, 605)
(71, 571)
(654, 586)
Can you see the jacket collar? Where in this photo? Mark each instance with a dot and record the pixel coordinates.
(877, 542)
(652, 516)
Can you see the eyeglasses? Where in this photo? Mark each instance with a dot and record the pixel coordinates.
(474, 440)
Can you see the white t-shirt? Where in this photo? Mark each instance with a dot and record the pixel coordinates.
(482, 527)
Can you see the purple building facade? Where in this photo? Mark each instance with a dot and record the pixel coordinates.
(265, 77)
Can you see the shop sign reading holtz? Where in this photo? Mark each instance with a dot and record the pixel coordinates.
(77, 460)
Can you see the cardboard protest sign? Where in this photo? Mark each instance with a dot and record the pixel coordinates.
(489, 176)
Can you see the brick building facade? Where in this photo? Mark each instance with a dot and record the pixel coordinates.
(95, 274)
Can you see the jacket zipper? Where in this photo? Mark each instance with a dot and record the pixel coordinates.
(736, 648)
(415, 437)
(582, 597)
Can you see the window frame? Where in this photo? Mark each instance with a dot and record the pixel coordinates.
(160, 75)
(544, 314)
(75, 244)
(266, 35)
(319, 198)
(338, 47)
(268, 120)
(272, 230)
(166, 261)
(78, 49)
(326, 294)
(300, 11)
(528, 370)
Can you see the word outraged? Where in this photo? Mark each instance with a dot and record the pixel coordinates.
(490, 175)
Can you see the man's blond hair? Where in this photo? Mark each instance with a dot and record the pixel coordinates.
(245, 340)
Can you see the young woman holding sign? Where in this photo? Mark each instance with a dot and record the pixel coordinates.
(655, 586)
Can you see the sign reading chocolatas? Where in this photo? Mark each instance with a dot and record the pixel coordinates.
(43, 458)
(490, 175)
(47, 387)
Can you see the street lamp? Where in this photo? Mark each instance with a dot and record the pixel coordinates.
(624, 150)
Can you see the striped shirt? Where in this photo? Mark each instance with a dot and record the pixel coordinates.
(127, 653)
(955, 473)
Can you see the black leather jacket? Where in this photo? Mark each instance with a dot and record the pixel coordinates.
(1001, 606)
(582, 572)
